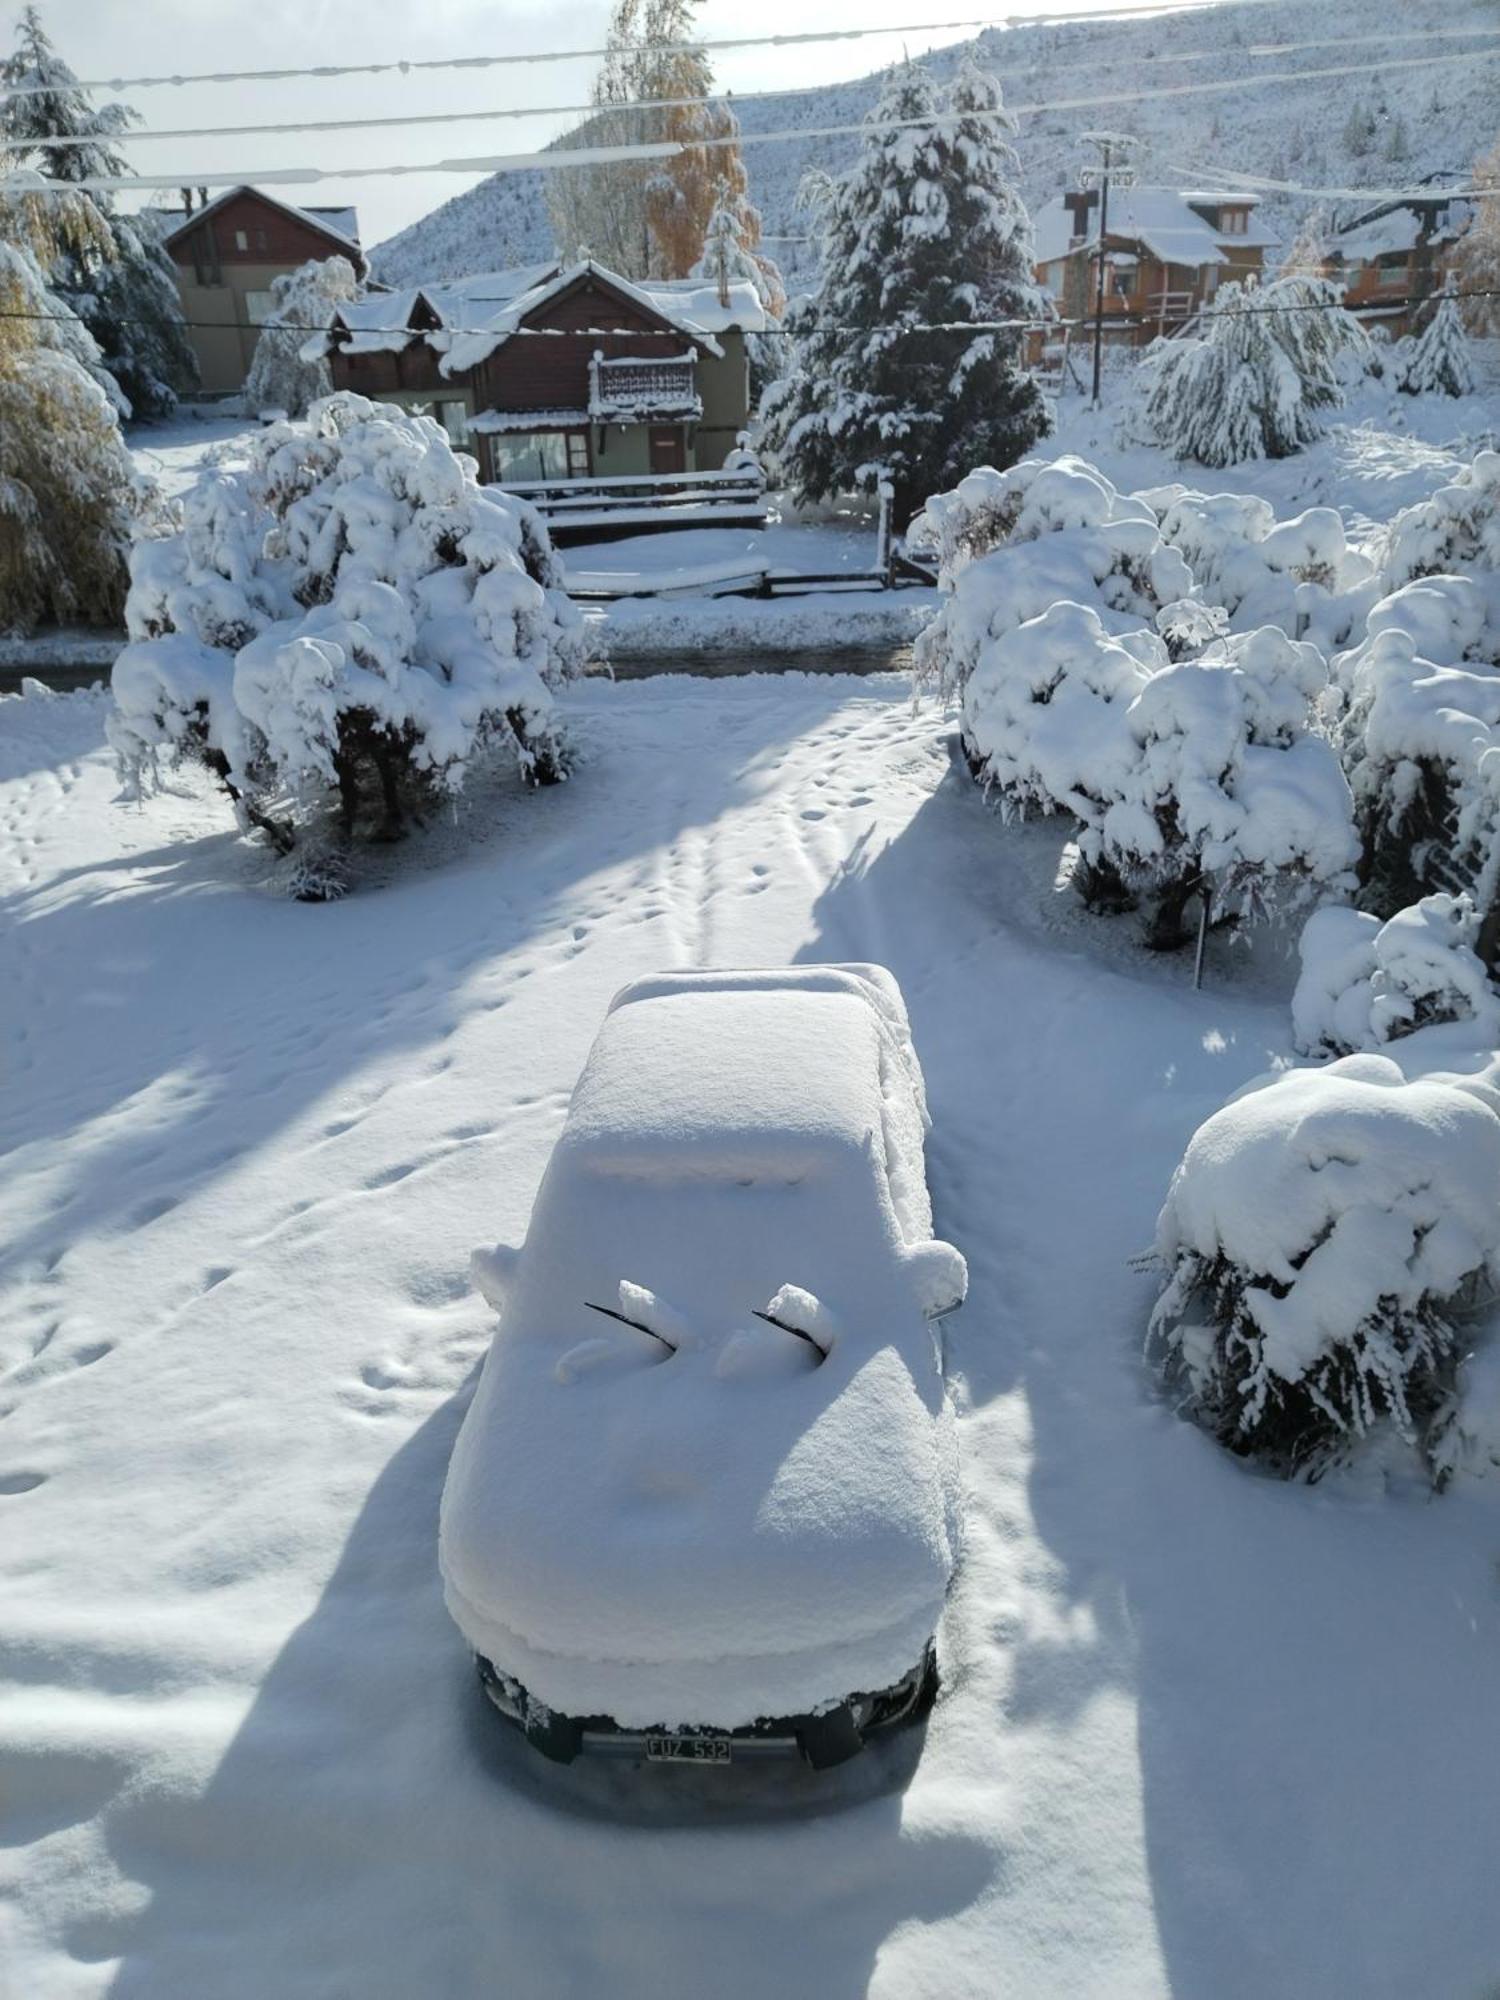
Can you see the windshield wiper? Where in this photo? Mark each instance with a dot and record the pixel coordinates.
(639, 1325)
(800, 1331)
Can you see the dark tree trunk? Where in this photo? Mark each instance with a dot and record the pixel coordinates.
(1167, 928)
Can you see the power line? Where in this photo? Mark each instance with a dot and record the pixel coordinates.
(552, 161)
(407, 67)
(56, 141)
(1034, 324)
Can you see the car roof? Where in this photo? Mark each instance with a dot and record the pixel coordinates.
(729, 1083)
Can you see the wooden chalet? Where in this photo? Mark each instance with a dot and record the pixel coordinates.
(1166, 254)
(1391, 258)
(556, 373)
(227, 253)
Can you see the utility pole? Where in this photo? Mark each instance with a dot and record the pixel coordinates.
(1114, 165)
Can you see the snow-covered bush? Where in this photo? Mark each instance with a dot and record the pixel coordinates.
(348, 615)
(1270, 361)
(1457, 529)
(282, 377)
(1011, 544)
(1228, 791)
(1365, 983)
(1300, 574)
(1414, 738)
(1320, 1234)
(1440, 363)
(1195, 776)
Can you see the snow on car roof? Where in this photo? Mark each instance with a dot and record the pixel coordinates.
(728, 1083)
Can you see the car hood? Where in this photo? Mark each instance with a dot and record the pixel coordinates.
(708, 1537)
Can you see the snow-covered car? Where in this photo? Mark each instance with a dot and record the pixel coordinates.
(704, 1503)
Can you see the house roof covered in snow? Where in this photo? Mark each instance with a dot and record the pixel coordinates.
(1162, 220)
(342, 224)
(467, 319)
(1401, 226)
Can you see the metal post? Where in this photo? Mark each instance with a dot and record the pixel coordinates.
(1205, 908)
(1099, 282)
(883, 550)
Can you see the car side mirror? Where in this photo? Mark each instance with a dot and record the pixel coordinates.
(939, 1277)
(491, 1273)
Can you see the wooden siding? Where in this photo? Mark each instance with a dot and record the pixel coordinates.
(272, 236)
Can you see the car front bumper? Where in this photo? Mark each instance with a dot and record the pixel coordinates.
(830, 1736)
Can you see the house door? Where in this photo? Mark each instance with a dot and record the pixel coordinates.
(668, 452)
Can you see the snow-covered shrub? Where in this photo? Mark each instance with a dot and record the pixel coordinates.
(1300, 574)
(1458, 528)
(1011, 544)
(1365, 983)
(1320, 1234)
(1440, 363)
(1413, 737)
(1227, 790)
(1270, 361)
(347, 614)
(282, 377)
(1182, 776)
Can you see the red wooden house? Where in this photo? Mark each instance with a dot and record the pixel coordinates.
(227, 254)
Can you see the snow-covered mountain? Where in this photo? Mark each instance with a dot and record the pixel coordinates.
(1398, 118)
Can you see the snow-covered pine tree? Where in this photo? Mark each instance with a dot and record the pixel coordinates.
(1271, 358)
(67, 481)
(281, 378)
(121, 283)
(926, 231)
(1476, 258)
(732, 256)
(1440, 364)
(1307, 254)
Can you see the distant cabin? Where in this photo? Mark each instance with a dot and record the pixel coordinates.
(227, 253)
(1391, 257)
(1166, 254)
(560, 371)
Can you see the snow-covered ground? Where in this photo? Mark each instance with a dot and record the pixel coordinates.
(1381, 452)
(1200, 1733)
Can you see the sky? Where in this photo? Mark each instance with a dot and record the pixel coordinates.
(105, 38)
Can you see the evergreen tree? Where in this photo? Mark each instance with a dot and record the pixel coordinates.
(1358, 131)
(281, 376)
(1440, 363)
(1269, 362)
(923, 237)
(121, 283)
(66, 478)
(732, 256)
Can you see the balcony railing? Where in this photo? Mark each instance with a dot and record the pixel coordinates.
(631, 389)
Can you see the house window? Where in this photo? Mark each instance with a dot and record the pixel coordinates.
(260, 239)
(1122, 276)
(522, 455)
(259, 306)
(241, 240)
(1234, 222)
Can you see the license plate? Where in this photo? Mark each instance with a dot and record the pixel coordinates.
(687, 1750)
